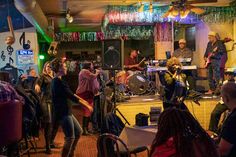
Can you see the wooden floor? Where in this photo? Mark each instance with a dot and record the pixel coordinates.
(142, 104)
(85, 148)
(87, 144)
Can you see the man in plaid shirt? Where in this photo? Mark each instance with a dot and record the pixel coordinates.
(8, 93)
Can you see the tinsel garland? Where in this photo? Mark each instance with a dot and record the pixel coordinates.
(219, 14)
(130, 15)
(79, 36)
(112, 32)
(127, 23)
(128, 32)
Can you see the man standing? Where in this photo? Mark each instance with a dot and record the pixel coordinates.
(182, 53)
(212, 56)
(227, 145)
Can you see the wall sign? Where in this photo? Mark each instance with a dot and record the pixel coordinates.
(25, 57)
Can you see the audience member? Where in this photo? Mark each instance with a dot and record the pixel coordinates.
(43, 87)
(8, 93)
(227, 145)
(62, 109)
(180, 135)
(220, 106)
(88, 87)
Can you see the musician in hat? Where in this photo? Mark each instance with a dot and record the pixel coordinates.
(214, 51)
(183, 53)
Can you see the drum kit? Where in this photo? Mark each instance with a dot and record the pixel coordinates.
(136, 82)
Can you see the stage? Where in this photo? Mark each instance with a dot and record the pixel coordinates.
(142, 104)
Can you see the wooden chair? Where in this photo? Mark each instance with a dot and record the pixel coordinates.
(109, 145)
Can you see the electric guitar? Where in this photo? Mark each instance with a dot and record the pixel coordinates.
(208, 61)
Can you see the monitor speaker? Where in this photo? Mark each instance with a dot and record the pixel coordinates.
(112, 54)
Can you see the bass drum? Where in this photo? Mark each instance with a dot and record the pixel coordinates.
(138, 84)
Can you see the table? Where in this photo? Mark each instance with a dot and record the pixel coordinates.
(138, 136)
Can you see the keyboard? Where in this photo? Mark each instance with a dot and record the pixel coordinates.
(154, 68)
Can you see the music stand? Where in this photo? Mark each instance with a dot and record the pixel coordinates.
(114, 91)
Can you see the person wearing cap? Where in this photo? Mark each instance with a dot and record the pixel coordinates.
(220, 106)
(131, 63)
(184, 52)
(214, 51)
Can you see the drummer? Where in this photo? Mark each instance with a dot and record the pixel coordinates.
(131, 63)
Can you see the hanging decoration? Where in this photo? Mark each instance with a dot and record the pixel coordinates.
(79, 36)
(122, 15)
(163, 31)
(219, 14)
(128, 32)
(111, 32)
(10, 39)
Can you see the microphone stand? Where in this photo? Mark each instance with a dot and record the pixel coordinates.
(114, 100)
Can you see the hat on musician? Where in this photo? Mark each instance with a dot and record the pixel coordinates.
(211, 33)
(230, 71)
(182, 41)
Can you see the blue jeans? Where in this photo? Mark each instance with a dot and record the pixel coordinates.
(72, 130)
(214, 75)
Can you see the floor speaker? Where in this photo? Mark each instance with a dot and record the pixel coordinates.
(112, 54)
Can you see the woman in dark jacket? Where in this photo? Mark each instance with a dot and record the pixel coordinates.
(43, 87)
(61, 93)
(175, 85)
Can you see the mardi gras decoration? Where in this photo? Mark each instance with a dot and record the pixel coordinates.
(130, 15)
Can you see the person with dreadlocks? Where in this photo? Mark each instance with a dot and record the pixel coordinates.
(175, 85)
(180, 135)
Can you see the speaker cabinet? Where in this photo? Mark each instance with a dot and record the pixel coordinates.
(112, 54)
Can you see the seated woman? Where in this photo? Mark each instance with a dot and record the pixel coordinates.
(180, 135)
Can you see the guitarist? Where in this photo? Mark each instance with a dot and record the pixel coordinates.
(131, 63)
(214, 51)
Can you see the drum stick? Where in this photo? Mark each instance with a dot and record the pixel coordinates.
(142, 61)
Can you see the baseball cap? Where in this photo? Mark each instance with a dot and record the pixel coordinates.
(211, 33)
(182, 41)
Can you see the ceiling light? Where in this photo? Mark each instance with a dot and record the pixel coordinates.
(141, 8)
(184, 13)
(175, 12)
(171, 15)
(69, 18)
